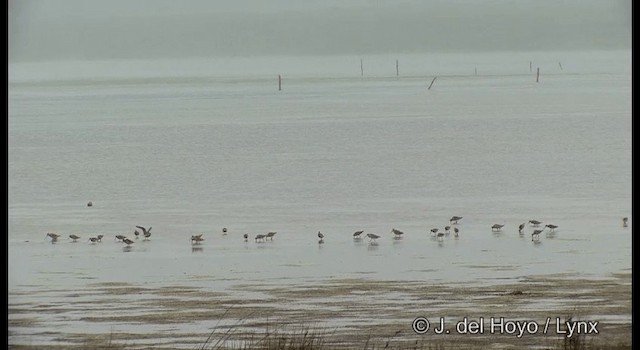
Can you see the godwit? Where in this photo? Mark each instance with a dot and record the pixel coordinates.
(625, 221)
(521, 227)
(454, 219)
(398, 234)
(74, 238)
(496, 227)
(372, 237)
(260, 238)
(270, 235)
(535, 223)
(551, 227)
(54, 236)
(356, 235)
(536, 234)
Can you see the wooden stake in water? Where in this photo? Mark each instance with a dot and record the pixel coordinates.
(397, 69)
(530, 66)
(361, 68)
(560, 64)
(434, 79)
(538, 75)
(476, 70)
(279, 83)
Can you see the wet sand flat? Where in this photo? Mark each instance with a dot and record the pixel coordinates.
(348, 313)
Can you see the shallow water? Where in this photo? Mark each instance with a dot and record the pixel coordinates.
(192, 154)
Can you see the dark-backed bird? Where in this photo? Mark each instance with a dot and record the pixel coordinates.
(536, 234)
(357, 234)
(270, 235)
(521, 227)
(454, 219)
(93, 239)
(246, 237)
(144, 230)
(320, 235)
(224, 231)
(434, 231)
(137, 233)
(120, 237)
(372, 236)
(496, 227)
(260, 238)
(196, 239)
(535, 222)
(456, 231)
(53, 236)
(74, 238)
(397, 233)
(625, 222)
(127, 241)
(99, 237)
(551, 227)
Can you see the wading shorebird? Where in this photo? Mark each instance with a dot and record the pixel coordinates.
(145, 231)
(536, 234)
(321, 237)
(356, 235)
(535, 222)
(456, 232)
(397, 233)
(434, 231)
(246, 237)
(551, 227)
(127, 241)
(93, 239)
(136, 233)
(196, 239)
(270, 235)
(74, 238)
(625, 222)
(521, 227)
(99, 238)
(120, 238)
(90, 204)
(454, 219)
(440, 236)
(224, 231)
(372, 237)
(54, 236)
(260, 238)
(496, 227)
(446, 229)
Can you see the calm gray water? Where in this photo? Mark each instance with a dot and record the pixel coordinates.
(188, 152)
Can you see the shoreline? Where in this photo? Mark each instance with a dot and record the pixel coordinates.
(345, 313)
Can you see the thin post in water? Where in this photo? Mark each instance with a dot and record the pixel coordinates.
(530, 66)
(361, 68)
(538, 75)
(279, 83)
(397, 69)
(434, 79)
(560, 64)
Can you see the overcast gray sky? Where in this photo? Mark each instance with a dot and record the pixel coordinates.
(97, 29)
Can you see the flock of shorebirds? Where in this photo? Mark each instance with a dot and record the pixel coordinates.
(358, 235)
